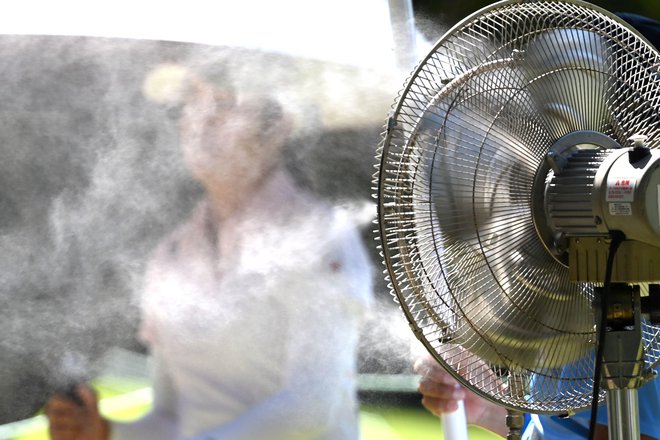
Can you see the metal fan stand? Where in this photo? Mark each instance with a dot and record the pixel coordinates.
(523, 146)
(515, 420)
(623, 360)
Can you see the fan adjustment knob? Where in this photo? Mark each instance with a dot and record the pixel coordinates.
(639, 150)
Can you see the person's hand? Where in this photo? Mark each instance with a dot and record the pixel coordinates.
(70, 420)
(441, 393)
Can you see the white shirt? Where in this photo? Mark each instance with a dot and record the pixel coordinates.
(254, 324)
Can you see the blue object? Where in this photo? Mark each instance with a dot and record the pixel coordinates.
(648, 27)
(577, 427)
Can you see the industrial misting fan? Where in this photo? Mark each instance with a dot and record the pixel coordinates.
(518, 191)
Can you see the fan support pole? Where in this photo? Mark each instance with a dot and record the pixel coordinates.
(623, 414)
(623, 361)
(514, 421)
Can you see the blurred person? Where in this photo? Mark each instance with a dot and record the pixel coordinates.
(251, 309)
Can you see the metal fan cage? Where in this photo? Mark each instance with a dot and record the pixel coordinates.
(454, 187)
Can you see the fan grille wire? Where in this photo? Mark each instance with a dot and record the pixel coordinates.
(454, 188)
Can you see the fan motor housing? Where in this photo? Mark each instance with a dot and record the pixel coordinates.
(591, 187)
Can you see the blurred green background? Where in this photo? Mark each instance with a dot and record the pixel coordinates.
(126, 402)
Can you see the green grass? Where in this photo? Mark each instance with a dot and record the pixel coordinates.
(126, 400)
(406, 423)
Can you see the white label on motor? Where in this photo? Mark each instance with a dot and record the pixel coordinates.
(620, 209)
(620, 189)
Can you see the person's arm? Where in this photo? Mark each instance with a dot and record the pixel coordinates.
(441, 393)
(69, 420)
